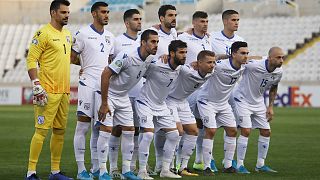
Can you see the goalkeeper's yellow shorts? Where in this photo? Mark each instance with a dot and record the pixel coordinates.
(54, 114)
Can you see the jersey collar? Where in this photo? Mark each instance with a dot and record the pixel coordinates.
(230, 60)
(164, 31)
(197, 35)
(266, 62)
(138, 49)
(95, 30)
(129, 37)
(226, 35)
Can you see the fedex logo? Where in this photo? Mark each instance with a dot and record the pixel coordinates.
(292, 97)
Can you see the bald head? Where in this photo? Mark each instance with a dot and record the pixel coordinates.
(276, 56)
(274, 50)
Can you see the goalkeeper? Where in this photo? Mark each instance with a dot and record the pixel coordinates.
(48, 64)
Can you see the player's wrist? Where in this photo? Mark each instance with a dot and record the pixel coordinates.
(35, 82)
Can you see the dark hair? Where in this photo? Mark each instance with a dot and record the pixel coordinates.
(129, 13)
(55, 5)
(227, 13)
(145, 35)
(175, 44)
(199, 14)
(237, 45)
(164, 8)
(98, 4)
(202, 54)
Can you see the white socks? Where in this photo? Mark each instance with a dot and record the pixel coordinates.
(103, 149)
(207, 146)
(127, 147)
(263, 146)
(135, 153)
(144, 148)
(199, 155)
(229, 150)
(159, 140)
(189, 142)
(242, 144)
(93, 147)
(114, 146)
(79, 143)
(169, 148)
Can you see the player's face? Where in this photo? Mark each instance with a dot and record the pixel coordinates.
(232, 23)
(61, 15)
(170, 18)
(200, 24)
(276, 58)
(152, 44)
(180, 56)
(134, 23)
(207, 65)
(241, 56)
(101, 15)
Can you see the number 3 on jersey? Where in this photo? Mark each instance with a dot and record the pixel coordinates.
(102, 47)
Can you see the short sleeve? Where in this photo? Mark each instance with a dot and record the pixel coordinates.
(119, 63)
(78, 43)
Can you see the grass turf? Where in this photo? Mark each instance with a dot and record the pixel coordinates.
(294, 149)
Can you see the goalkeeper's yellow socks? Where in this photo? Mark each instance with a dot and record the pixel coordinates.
(56, 146)
(35, 148)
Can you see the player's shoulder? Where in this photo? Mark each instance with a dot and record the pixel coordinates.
(238, 38)
(108, 33)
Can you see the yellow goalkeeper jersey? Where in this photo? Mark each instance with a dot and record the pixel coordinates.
(50, 51)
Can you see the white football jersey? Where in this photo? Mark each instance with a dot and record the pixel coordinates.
(219, 86)
(129, 69)
(124, 42)
(164, 40)
(255, 81)
(221, 44)
(94, 49)
(195, 45)
(188, 81)
(160, 79)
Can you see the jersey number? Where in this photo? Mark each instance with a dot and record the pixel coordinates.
(170, 82)
(139, 75)
(264, 83)
(65, 50)
(102, 47)
(233, 80)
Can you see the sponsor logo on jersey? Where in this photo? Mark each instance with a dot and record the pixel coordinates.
(55, 39)
(92, 37)
(40, 119)
(34, 41)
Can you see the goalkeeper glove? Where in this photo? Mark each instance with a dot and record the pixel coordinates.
(39, 94)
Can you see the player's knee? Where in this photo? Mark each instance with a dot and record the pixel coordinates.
(172, 135)
(42, 132)
(58, 131)
(245, 132)
(232, 132)
(192, 131)
(265, 132)
(210, 132)
(105, 128)
(116, 131)
(84, 119)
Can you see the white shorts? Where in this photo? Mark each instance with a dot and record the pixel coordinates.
(86, 105)
(181, 111)
(156, 119)
(121, 111)
(215, 116)
(192, 100)
(135, 116)
(249, 116)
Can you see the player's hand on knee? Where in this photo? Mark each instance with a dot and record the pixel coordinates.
(103, 111)
(40, 96)
(269, 114)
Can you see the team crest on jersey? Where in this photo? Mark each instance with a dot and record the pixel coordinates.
(40, 119)
(86, 106)
(68, 39)
(205, 119)
(143, 119)
(118, 63)
(38, 33)
(34, 41)
(108, 39)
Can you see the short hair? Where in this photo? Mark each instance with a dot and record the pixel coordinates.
(199, 14)
(175, 44)
(164, 8)
(55, 5)
(145, 35)
(98, 4)
(202, 54)
(237, 45)
(227, 13)
(129, 13)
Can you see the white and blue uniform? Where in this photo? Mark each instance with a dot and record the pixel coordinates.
(195, 45)
(94, 49)
(128, 69)
(248, 97)
(212, 100)
(189, 80)
(221, 44)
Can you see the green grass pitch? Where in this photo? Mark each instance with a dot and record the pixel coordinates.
(294, 149)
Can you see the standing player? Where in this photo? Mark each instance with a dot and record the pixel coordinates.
(197, 40)
(153, 112)
(214, 108)
(126, 42)
(250, 109)
(94, 45)
(166, 29)
(50, 49)
(116, 80)
(188, 81)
